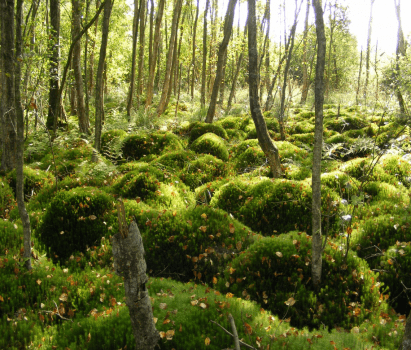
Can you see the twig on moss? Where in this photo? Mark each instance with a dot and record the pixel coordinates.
(230, 334)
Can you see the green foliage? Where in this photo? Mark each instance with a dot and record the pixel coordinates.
(175, 160)
(111, 142)
(135, 147)
(7, 200)
(232, 122)
(210, 143)
(199, 128)
(76, 219)
(275, 271)
(202, 170)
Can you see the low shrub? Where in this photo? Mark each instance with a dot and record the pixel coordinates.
(276, 272)
(210, 143)
(76, 219)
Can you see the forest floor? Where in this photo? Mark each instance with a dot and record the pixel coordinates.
(221, 235)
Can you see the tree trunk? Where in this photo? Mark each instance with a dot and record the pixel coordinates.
(156, 42)
(264, 139)
(359, 81)
(54, 102)
(140, 75)
(400, 52)
(222, 83)
(83, 121)
(9, 156)
(306, 83)
(316, 260)
(93, 46)
(228, 26)
(204, 67)
(129, 263)
(193, 61)
(108, 5)
(133, 58)
(25, 218)
(406, 342)
(368, 54)
(166, 86)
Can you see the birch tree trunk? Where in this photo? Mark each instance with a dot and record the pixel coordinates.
(204, 67)
(129, 263)
(368, 53)
(140, 75)
(400, 52)
(306, 84)
(25, 218)
(264, 139)
(193, 61)
(228, 26)
(316, 261)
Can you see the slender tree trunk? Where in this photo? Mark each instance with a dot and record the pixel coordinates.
(25, 218)
(54, 103)
(400, 52)
(332, 28)
(317, 249)
(140, 75)
(228, 26)
(86, 92)
(265, 51)
(264, 139)
(83, 121)
(156, 44)
(193, 61)
(377, 83)
(368, 54)
(133, 57)
(204, 67)
(151, 35)
(166, 86)
(9, 156)
(406, 342)
(306, 84)
(108, 5)
(359, 80)
(93, 47)
(222, 84)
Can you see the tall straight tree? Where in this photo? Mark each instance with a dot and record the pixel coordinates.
(222, 51)
(267, 145)
(169, 63)
(156, 43)
(368, 53)
(193, 60)
(140, 74)
(54, 102)
(108, 5)
(8, 117)
(204, 67)
(317, 247)
(306, 83)
(83, 121)
(133, 57)
(25, 218)
(400, 52)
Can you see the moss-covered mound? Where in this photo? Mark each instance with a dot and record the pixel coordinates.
(341, 183)
(189, 244)
(234, 123)
(276, 272)
(76, 219)
(270, 206)
(135, 147)
(210, 143)
(176, 160)
(202, 170)
(344, 123)
(7, 199)
(397, 166)
(34, 180)
(198, 129)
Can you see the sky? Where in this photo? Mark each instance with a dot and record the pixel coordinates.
(385, 23)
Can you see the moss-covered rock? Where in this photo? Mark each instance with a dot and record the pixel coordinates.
(276, 272)
(198, 129)
(76, 219)
(210, 143)
(135, 147)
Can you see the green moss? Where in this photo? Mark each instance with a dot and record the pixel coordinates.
(344, 123)
(7, 199)
(234, 134)
(232, 122)
(198, 129)
(175, 160)
(251, 158)
(210, 143)
(275, 270)
(397, 166)
(135, 147)
(341, 183)
(111, 143)
(205, 192)
(76, 219)
(307, 138)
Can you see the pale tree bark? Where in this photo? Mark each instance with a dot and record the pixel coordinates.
(265, 52)
(306, 83)
(317, 249)
(93, 47)
(368, 53)
(54, 102)
(129, 263)
(83, 122)
(193, 60)
(166, 86)
(25, 218)
(264, 139)
(222, 83)
(359, 80)
(400, 52)
(228, 26)
(99, 103)
(140, 74)
(9, 156)
(204, 66)
(332, 20)
(156, 42)
(133, 57)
